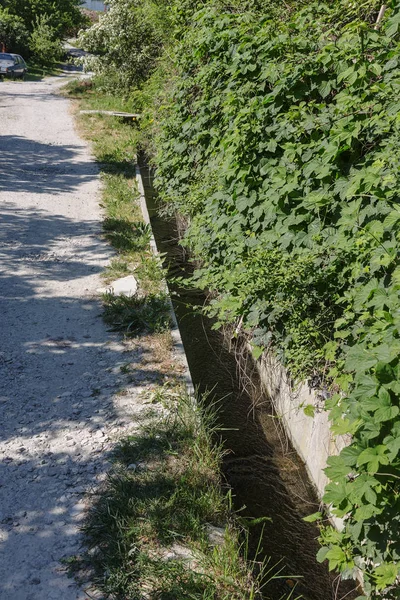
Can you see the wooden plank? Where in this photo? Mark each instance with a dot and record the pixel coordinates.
(112, 113)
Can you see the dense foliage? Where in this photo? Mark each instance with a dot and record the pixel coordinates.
(280, 144)
(45, 45)
(64, 16)
(126, 42)
(282, 147)
(35, 28)
(13, 33)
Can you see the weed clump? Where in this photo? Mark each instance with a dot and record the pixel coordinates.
(136, 315)
(149, 529)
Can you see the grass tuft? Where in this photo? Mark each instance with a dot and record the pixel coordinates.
(135, 315)
(149, 529)
(127, 236)
(115, 145)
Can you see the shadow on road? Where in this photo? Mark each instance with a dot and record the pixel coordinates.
(61, 408)
(30, 166)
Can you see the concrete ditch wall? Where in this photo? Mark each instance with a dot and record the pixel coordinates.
(310, 436)
(179, 350)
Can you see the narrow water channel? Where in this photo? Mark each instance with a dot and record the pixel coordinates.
(267, 477)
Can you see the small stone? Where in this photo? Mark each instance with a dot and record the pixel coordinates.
(125, 286)
(216, 535)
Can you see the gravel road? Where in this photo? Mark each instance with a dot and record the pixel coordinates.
(59, 367)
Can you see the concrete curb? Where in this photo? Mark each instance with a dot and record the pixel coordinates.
(175, 333)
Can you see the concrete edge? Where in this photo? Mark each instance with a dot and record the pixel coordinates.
(179, 349)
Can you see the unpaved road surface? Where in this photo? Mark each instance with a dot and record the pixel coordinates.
(59, 367)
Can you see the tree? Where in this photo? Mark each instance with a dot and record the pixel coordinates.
(14, 36)
(63, 16)
(45, 46)
(127, 41)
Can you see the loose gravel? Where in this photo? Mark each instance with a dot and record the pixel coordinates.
(60, 370)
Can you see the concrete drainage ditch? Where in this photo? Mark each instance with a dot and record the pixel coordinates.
(269, 482)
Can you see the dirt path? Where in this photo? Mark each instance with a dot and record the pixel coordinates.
(59, 368)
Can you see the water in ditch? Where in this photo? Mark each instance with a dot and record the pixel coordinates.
(267, 477)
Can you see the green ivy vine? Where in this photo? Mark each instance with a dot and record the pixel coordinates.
(281, 145)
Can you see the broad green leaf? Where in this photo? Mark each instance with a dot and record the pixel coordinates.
(393, 445)
(386, 413)
(256, 352)
(366, 387)
(371, 403)
(366, 511)
(312, 518)
(336, 467)
(359, 359)
(349, 455)
(361, 487)
(391, 220)
(384, 372)
(392, 25)
(309, 410)
(325, 88)
(373, 457)
(385, 575)
(321, 554)
(335, 493)
(343, 426)
(336, 557)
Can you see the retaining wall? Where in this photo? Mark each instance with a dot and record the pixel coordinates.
(310, 436)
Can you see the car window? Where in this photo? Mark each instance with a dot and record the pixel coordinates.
(4, 56)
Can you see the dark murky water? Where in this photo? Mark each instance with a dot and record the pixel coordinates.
(267, 477)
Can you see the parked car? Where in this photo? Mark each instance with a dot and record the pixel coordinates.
(12, 65)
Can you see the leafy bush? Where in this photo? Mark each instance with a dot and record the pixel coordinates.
(45, 46)
(14, 36)
(126, 42)
(64, 16)
(281, 145)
